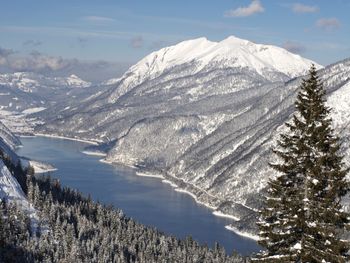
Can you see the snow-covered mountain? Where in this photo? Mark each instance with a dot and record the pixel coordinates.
(232, 52)
(30, 82)
(24, 93)
(28, 92)
(204, 114)
(199, 55)
(187, 72)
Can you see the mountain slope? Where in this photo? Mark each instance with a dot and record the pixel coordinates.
(30, 82)
(26, 93)
(8, 137)
(204, 114)
(27, 90)
(11, 183)
(271, 62)
(188, 75)
(227, 166)
(10, 188)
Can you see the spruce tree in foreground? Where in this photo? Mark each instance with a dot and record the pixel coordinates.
(303, 217)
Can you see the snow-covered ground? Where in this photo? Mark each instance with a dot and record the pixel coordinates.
(18, 122)
(94, 153)
(11, 191)
(33, 110)
(40, 167)
(170, 183)
(220, 214)
(30, 81)
(149, 175)
(242, 233)
(75, 81)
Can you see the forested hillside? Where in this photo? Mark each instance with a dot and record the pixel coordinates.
(75, 229)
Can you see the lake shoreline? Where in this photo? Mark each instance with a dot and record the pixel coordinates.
(150, 201)
(63, 137)
(163, 180)
(176, 188)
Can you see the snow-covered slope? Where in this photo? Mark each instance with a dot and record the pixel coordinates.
(187, 72)
(271, 62)
(231, 163)
(27, 90)
(25, 93)
(29, 81)
(112, 81)
(76, 82)
(9, 187)
(11, 191)
(8, 137)
(232, 51)
(8, 143)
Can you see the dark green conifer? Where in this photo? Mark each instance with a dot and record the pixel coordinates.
(303, 217)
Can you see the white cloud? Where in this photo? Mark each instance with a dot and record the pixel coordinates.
(300, 8)
(98, 19)
(254, 7)
(328, 24)
(37, 62)
(12, 61)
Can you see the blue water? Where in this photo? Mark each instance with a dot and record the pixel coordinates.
(147, 200)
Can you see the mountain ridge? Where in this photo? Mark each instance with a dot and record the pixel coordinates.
(29, 81)
(230, 52)
(209, 132)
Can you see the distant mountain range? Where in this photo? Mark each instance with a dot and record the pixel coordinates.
(30, 92)
(203, 114)
(31, 82)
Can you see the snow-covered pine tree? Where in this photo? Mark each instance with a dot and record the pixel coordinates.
(303, 218)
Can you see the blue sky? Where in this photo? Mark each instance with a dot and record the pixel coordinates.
(125, 31)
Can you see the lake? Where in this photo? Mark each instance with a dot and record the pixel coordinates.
(145, 199)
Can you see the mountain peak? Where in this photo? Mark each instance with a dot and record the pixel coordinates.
(74, 81)
(194, 41)
(233, 40)
(230, 52)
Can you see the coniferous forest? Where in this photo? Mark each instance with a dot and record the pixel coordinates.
(73, 228)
